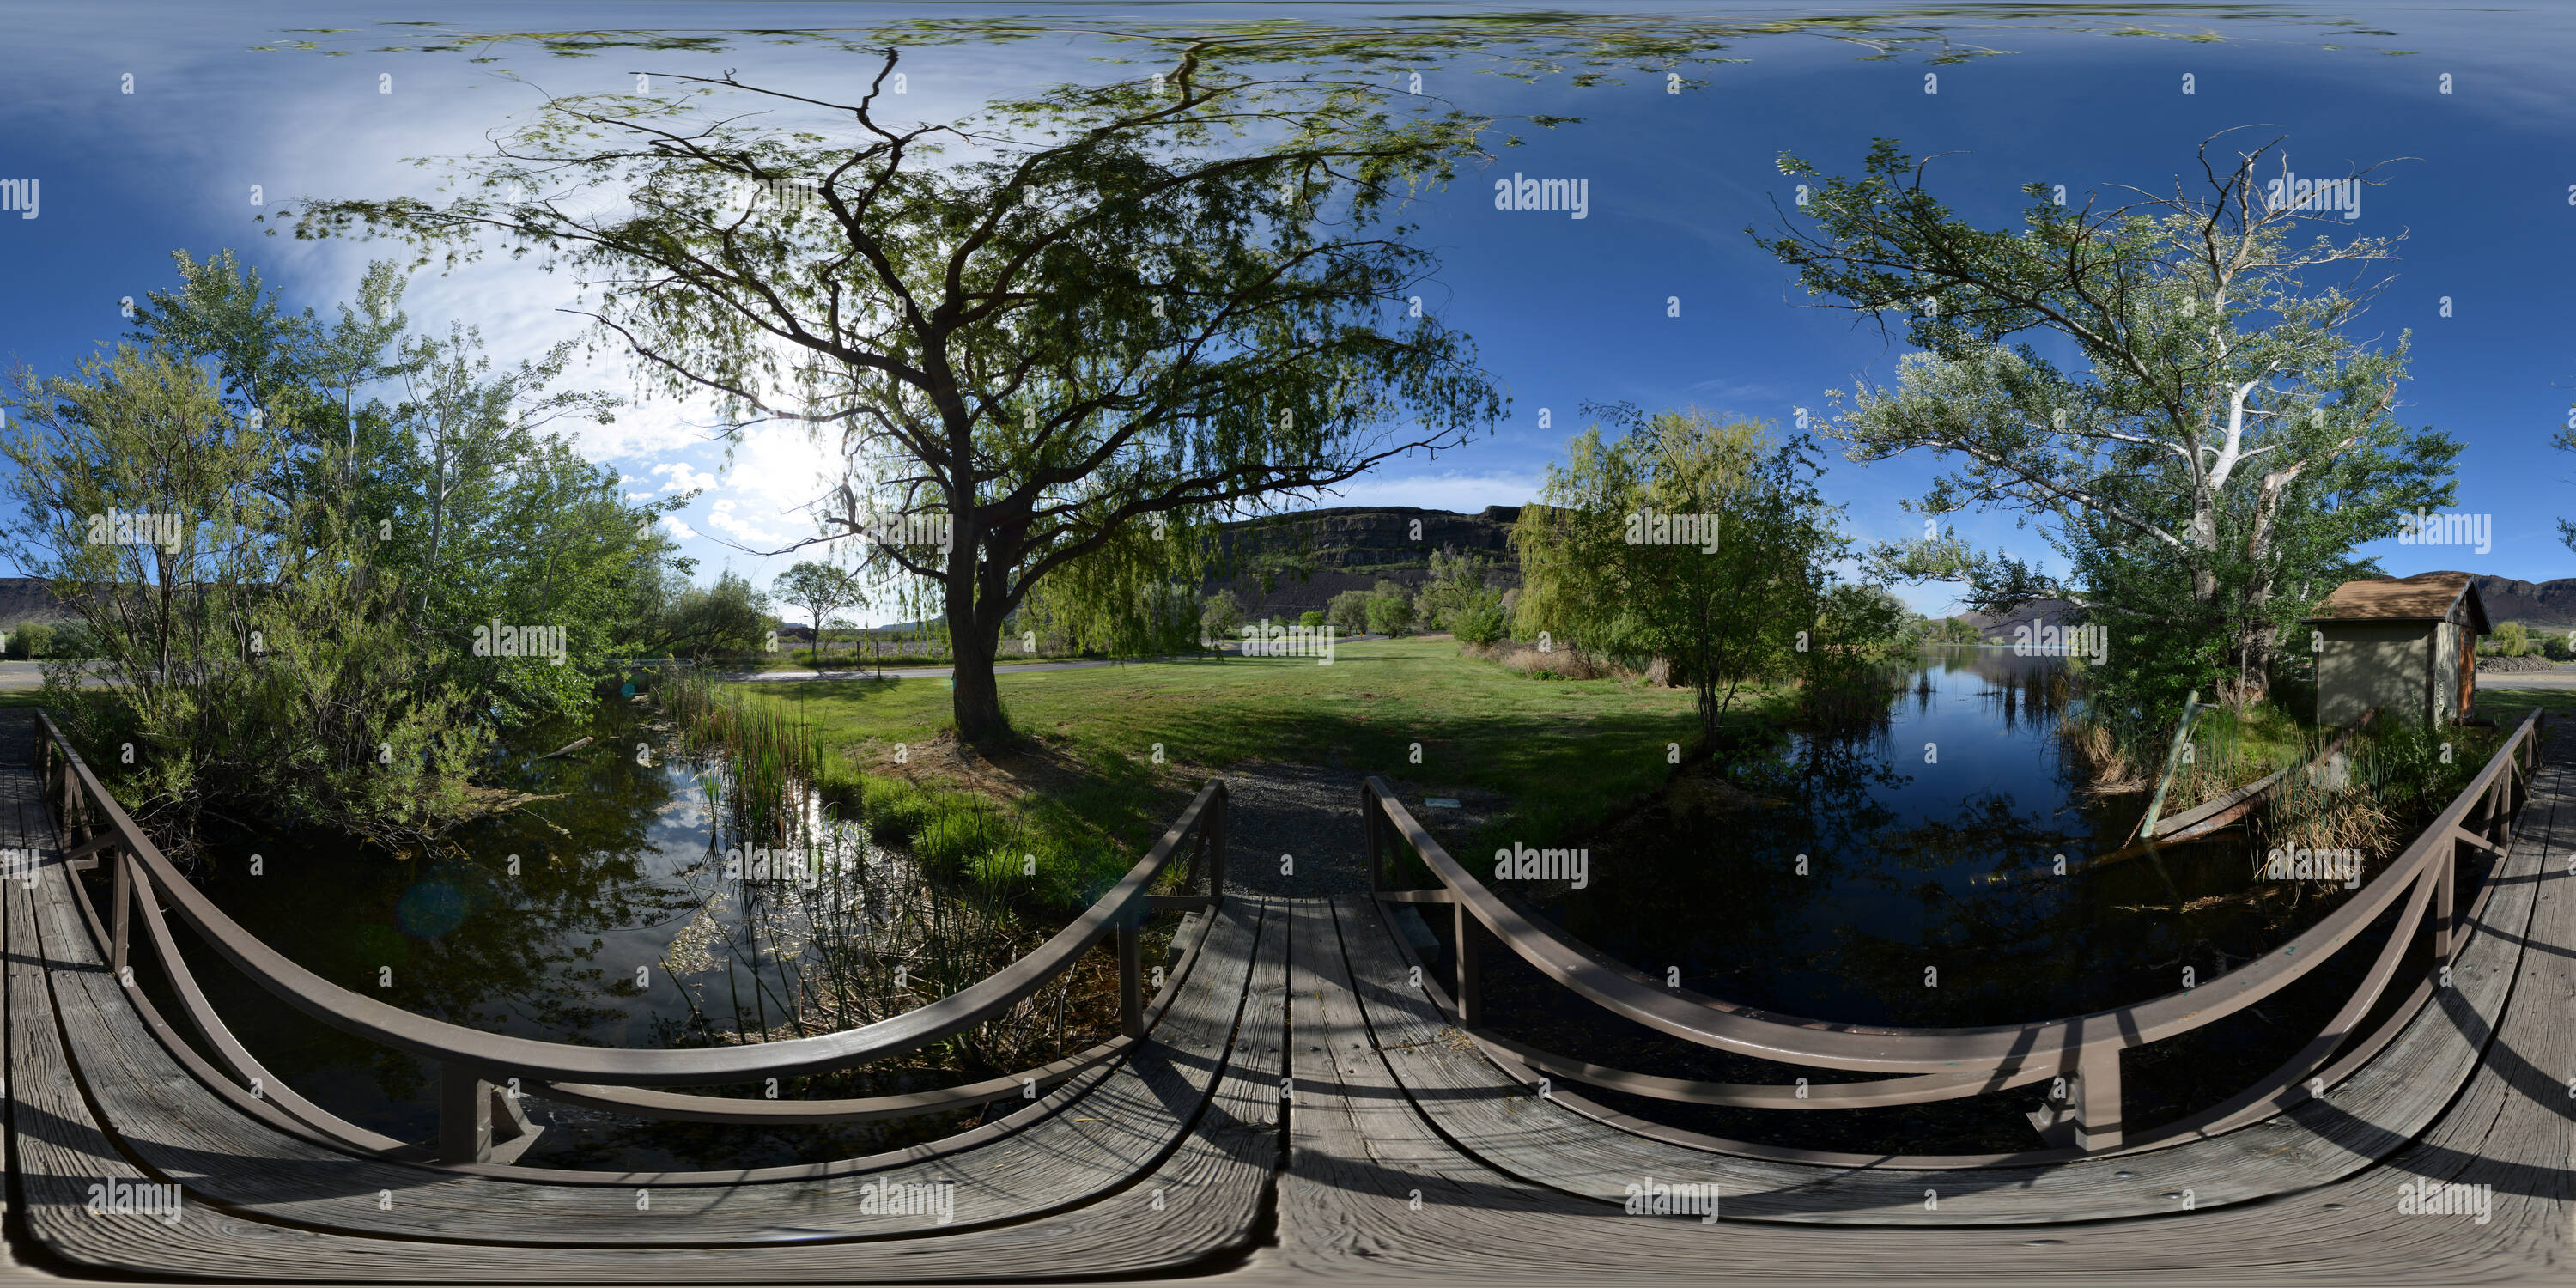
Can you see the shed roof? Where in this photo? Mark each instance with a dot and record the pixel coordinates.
(2424, 597)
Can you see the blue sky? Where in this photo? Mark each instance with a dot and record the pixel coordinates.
(1564, 311)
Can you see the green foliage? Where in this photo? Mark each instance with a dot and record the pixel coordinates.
(309, 622)
(726, 620)
(262, 657)
(1390, 610)
(1311, 617)
(2208, 464)
(956, 835)
(1457, 586)
(2511, 639)
(895, 809)
(1349, 612)
(1130, 302)
(30, 640)
(1220, 617)
(1482, 624)
(1606, 567)
(820, 589)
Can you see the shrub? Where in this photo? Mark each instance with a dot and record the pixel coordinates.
(1390, 610)
(1481, 624)
(1311, 617)
(1220, 617)
(1350, 612)
(31, 640)
(1456, 587)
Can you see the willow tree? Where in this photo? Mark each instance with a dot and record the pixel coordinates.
(2221, 441)
(1026, 332)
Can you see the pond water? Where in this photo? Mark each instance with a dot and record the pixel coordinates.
(606, 917)
(1929, 837)
(1929, 832)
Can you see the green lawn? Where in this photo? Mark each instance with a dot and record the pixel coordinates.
(1562, 752)
(2507, 707)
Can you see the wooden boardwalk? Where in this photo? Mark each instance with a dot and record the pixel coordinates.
(1302, 1108)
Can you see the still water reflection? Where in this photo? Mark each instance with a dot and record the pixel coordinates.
(602, 917)
(1904, 823)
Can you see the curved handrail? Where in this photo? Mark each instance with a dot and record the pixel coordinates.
(536, 1060)
(1792, 1040)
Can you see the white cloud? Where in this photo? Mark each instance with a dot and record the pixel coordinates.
(685, 477)
(722, 518)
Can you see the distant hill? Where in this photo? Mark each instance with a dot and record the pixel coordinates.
(1998, 628)
(25, 599)
(1321, 553)
(2532, 603)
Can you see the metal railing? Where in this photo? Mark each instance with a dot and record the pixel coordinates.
(1944, 1064)
(475, 1067)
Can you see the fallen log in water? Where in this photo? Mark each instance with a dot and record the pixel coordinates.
(2204, 819)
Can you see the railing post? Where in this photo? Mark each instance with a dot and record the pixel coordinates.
(2097, 1097)
(1131, 981)
(1470, 1006)
(1369, 838)
(2443, 870)
(124, 901)
(1216, 870)
(464, 1115)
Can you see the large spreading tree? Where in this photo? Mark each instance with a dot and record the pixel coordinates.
(2217, 446)
(1079, 317)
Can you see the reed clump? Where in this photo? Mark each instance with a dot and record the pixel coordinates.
(774, 770)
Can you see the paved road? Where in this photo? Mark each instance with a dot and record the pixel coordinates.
(27, 677)
(2561, 677)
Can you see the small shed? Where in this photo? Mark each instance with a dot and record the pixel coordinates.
(2407, 646)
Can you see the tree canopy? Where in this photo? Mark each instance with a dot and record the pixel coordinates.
(2215, 453)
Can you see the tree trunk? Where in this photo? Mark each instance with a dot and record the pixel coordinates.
(974, 642)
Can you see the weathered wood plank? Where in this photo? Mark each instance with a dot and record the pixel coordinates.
(166, 1118)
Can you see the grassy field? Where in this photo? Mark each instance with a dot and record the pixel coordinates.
(1561, 752)
(2507, 707)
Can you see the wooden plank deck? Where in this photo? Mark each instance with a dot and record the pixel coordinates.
(1304, 1110)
